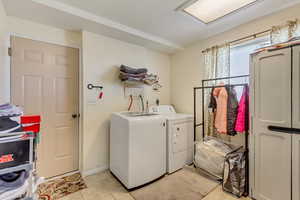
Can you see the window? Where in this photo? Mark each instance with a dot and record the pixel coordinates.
(240, 59)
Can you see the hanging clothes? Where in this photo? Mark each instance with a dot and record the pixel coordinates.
(219, 104)
(242, 110)
(211, 115)
(232, 110)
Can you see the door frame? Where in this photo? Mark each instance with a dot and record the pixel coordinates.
(80, 86)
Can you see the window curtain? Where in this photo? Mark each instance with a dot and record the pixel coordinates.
(217, 65)
(286, 32)
(217, 62)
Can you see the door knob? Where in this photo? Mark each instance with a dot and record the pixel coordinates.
(74, 116)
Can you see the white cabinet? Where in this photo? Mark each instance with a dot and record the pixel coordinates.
(296, 124)
(296, 167)
(296, 87)
(273, 166)
(272, 107)
(272, 82)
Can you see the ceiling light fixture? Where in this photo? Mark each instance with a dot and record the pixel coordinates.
(209, 11)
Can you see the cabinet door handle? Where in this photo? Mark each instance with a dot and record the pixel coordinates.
(284, 129)
(178, 129)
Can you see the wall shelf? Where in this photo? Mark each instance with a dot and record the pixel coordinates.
(135, 83)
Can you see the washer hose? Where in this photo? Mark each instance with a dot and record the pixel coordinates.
(130, 104)
(142, 101)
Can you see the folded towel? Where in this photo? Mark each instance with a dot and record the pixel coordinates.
(131, 70)
(18, 193)
(151, 79)
(6, 106)
(141, 75)
(8, 125)
(131, 79)
(8, 110)
(12, 181)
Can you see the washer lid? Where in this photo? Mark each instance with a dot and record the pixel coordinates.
(169, 112)
(179, 116)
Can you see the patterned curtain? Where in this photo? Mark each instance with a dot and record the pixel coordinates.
(217, 62)
(295, 29)
(223, 63)
(285, 32)
(217, 65)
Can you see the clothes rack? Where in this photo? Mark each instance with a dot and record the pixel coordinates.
(202, 88)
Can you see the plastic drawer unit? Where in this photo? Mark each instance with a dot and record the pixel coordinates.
(15, 151)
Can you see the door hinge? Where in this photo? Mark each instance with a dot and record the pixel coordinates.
(9, 51)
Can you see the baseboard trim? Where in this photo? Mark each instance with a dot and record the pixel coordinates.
(94, 171)
(61, 176)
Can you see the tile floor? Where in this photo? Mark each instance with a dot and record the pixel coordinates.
(104, 186)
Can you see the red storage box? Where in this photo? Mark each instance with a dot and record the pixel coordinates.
(32, 128)
(31, 123)
(31, 119)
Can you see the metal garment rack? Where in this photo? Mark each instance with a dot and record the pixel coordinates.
(202, 88)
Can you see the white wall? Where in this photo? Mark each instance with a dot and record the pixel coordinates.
(101, 58)
(4, 68)
(188, 65)
(35, 31)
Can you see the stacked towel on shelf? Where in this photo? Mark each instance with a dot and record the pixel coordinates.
(137, 75)
(130, 70)
(10, 118)
(132, 77)
(132, 74)
(14, 185)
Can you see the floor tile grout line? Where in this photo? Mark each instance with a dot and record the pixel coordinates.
(132, 196)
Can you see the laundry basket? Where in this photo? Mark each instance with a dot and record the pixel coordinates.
(210, 156)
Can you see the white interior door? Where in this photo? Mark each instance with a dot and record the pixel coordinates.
(272, 106)
(44, 81)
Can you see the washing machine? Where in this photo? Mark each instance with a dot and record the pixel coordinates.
(180, 137)
(137, 147)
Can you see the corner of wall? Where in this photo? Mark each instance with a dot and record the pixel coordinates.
(94, 171)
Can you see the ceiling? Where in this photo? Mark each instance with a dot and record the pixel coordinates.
(152, 23)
